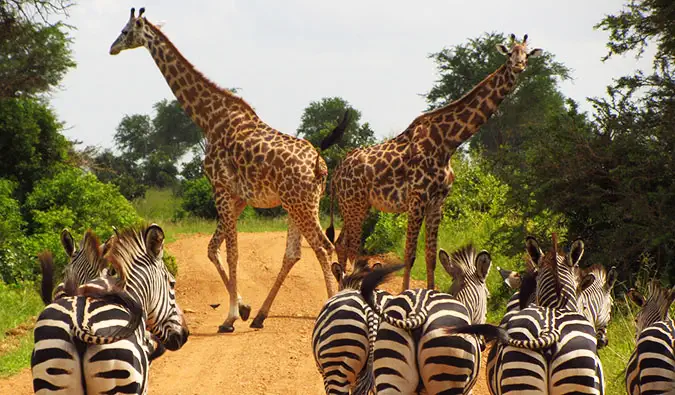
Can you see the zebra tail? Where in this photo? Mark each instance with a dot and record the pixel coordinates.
(115, 296)
(365, 381)
(491, 332)
(377, 277)
(46, 260)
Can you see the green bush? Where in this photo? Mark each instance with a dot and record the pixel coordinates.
(170, 262)
(11, 225)
(388, 231)
(75, 200)
(198, 198)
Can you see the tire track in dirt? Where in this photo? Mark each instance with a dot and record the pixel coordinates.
(275, 360)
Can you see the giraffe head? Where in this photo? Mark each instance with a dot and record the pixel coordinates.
(518, 54)
(134, 34)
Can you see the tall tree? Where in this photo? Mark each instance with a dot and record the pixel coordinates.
(34, 55)
(174, 133)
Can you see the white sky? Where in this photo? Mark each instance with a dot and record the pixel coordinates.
(284, 54)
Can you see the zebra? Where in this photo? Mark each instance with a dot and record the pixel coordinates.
(549, 347)
(79, 345)
(411, 352)
(86, 264)
(344, 334)
(651, 367)
(595, 302)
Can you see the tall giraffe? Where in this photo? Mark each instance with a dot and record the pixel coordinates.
(247, 162)
(411, 173)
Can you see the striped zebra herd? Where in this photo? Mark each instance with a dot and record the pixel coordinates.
(366, 340)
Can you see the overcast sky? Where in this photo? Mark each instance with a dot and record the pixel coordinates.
(284, 54)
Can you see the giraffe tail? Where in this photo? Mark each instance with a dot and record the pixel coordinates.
(336, 134)
(330, 231)
(46, 260)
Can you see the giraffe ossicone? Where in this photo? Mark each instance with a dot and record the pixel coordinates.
(247, 163)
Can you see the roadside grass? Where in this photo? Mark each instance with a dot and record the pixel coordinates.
(20, 304)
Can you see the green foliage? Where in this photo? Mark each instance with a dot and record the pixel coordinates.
(19, 302)
(387, 232)
(30, 142)
(34, 55)
(158, 205)
(134, 136)
(198, 198)
(120, 171)
(174, 132)
(170, 262)
(159, 170)
(11, 222)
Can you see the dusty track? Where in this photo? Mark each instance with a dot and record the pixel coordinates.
(274, 360)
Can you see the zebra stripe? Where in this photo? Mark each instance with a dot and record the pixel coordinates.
(651, 367)
(595, 302)
(344, 334)
(525, 357)
(62, 364)
(409, 354)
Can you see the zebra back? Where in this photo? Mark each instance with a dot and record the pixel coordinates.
(650, 367)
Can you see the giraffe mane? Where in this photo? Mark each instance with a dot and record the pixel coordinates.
(207, 81)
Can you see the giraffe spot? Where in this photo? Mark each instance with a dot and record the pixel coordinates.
(464, 115)
(466, 134)
(172, 70)
(435, 134)
(427, 146)
(160, 54)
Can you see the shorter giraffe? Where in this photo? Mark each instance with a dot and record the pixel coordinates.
(411, 173)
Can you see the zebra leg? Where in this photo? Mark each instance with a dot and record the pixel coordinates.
(395, 365)
(292, 255)
(433, 217)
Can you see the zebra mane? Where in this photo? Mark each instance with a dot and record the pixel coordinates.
(127, 244)
(598, 270)
(464, 258)
(91, 245)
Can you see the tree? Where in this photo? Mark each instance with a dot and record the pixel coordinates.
(174, 133)
(31, 145)
(522, 113)
(121, 171)
(134, 136)
(34, 55)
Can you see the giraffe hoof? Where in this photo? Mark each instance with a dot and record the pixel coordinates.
(258, 322)
(226, 328)
(244, 311)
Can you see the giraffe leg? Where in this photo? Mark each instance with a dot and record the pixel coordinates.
(291, 256)
(433, 218)
(415, 218)
(228, 210)
(352, 229)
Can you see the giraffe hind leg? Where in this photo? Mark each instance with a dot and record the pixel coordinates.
(291, 257)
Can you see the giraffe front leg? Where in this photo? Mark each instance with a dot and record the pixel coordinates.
(291, 256)
(433, 220)
(415, 218)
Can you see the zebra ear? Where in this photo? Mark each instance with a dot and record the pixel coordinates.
(483, 264)
(67, 242)
(338, 273)
(154, 239)
(586, 282)
(671, 296)
(577, 251)
(90, 246)
(611, 278)
(447, 263)
(533, 250)
(377, 266)
(636, 297)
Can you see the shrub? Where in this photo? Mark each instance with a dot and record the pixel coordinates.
(198, 198)
(388, 232)
(170, 262)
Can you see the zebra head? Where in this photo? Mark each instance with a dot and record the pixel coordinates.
(353, 280)
(87, 262)
(469, 272)
(654, 308)
(557, 284)
(595, 302)
(136, 255)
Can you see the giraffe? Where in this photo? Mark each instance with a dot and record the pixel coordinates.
(247, 163)
(411, 173)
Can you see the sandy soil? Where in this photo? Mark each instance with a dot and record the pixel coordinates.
(274, 360)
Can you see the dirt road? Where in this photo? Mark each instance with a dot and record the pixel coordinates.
(275, 360)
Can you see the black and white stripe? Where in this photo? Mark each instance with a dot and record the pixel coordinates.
(344, 334)
(412, 351)
(651, 367)
(548, 348)
(595, 302)
(70, 355)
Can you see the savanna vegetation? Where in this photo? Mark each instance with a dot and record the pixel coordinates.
(538, 166)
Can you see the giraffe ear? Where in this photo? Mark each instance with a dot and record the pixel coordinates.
(503, 50)
(535, 53)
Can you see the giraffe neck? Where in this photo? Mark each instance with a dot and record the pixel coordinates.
(461, 119)
(212, 108)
